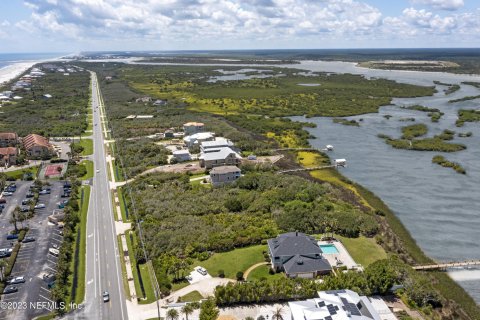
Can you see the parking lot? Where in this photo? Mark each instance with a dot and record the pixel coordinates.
(33, 259)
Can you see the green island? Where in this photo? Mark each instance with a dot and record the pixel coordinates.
(409, 140)
(470, 83)
(440, 160)
(185, 224)
(451, 87)
(467, 115)
(467, 98)
(434, 113)
(346, 122)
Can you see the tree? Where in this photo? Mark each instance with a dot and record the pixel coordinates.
(3, 265)
(14, 218)
(172, 314)
(209, 310)
(187, 310)
(239, 275)
(277, 314)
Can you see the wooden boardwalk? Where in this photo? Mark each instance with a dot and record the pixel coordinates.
(307, 169)
(448, 265)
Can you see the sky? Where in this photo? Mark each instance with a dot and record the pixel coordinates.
(104, 25)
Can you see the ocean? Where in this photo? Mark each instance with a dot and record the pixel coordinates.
(12, 58)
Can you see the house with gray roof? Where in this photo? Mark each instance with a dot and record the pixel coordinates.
(298, 255)
(219, 157)
(224, 174)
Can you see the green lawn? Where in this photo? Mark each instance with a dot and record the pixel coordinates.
(363, 250)
(122, 204)
(82, 232)
(133, 263)
(18, 174)
(147, 285)
(263, 272)
(89, 165)
(191, 297)
(87, 145)
(179, 285)
(233, 261)
(124, 267)
(118, 171)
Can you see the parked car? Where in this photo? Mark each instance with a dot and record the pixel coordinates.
(105, 296)
(44, 191)
(17, 280)
(49, 277)
(54, 252)
(29, 195)
(3, 200)
(28, 239)
(50, 285)
(40, 206)
(7, 193)
(24, 209)
(2, 206)
(189, 278)
(10, 289)
(65, 195)
(12, 236)
(202, 271)
(25, 202)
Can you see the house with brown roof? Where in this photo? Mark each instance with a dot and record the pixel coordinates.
(8, 139)
(38, 146)
(193, 127)
(8, 156)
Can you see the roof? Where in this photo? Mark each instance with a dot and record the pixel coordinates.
(303, 264)
(219, 142)
(199, 136)
(8, 136)
(335, 305)
(193, 124)
(35, 140)
(224, 170)
(221, 154)
(8, 151)
(179, 152)
(294, 243)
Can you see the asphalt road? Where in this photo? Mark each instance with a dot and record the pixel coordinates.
(103, 269)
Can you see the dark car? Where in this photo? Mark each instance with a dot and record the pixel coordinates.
(3, 200)
(12, 236)
(10, 289)
(65, 195)
(24, 209)
(25, 202)
(28, 239)
(49, 277)
(29, 195)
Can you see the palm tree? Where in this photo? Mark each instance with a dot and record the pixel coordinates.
(3, 265)
(172, 314)
(277, 315)
(187, 310)
(14, 218)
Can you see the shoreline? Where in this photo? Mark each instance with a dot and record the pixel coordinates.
(12, 71)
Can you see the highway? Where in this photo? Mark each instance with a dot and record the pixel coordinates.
(103, 269)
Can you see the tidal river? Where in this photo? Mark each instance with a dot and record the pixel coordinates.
(439, 207)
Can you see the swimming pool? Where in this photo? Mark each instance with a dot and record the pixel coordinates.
(328, 248)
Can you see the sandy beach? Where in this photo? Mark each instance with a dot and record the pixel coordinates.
(9, 72)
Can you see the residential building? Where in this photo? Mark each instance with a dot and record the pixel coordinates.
(143, 99)
(37, 146)
(197, 138)
(8, 156)
(224, 174)
(219, 157)
(340, 305)
(298, 255)
(182, 155)
(193, 127)
(160, 102)
(218, 143)
(8, 139)
(169, 134)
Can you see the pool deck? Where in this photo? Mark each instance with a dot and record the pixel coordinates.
(342, 258)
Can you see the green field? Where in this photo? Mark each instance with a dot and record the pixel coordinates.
(262, 272)
(363, 250)
(89, 165)
(87, 145)
(123, 209)
(18, 174)
(233, 261)
(191, 297)
(147, 284)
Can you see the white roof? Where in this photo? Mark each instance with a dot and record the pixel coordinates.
(199, 136)
(336, 305)
(180, 152)
(221, 154)
(218, 142)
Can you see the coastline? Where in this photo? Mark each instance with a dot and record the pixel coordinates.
(12, 71)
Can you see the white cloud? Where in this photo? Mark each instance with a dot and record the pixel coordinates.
(196, 24)
(441, 4)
